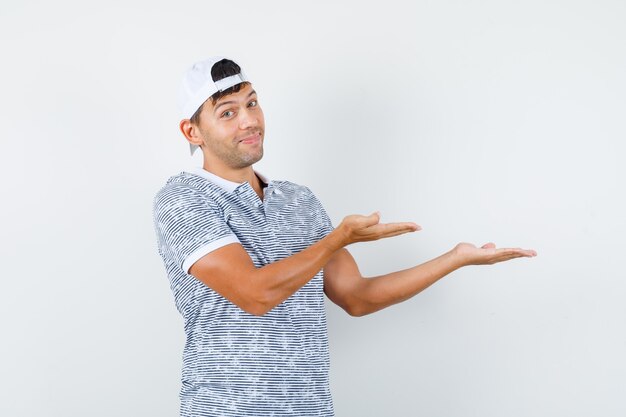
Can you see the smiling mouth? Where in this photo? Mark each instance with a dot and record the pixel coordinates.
(251, 139)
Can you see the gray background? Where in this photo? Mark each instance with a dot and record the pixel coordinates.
(479, 120)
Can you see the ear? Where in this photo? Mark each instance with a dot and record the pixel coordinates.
(190, 131)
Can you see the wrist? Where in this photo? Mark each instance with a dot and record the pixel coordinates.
(457, 259)
(335, 240)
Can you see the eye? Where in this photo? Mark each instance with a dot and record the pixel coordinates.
(253, 103)
(227, 113)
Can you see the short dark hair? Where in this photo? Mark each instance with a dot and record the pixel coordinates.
(221, 69)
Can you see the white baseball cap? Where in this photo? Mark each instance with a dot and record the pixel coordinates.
(198, 85)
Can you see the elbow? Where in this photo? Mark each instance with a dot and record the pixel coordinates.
(356, 309)
(259, 304)
(355, 313)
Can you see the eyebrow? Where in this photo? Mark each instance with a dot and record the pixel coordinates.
(231, 101)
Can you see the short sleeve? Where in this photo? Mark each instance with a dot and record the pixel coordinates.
(322, 223)
(188, 225)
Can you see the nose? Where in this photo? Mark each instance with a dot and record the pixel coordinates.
(249, 118)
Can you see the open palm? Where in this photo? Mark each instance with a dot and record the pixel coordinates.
(488, 253)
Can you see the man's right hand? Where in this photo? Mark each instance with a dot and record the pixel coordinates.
(357, 228)
(469, 254)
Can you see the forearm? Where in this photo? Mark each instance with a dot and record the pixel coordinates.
(281, 279)
(382, 291)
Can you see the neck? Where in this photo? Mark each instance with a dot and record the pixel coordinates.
(238, 175)
(235, 175)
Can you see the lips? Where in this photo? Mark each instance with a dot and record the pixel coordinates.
(251, 139)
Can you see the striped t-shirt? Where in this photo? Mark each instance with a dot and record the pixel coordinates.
(236, 363)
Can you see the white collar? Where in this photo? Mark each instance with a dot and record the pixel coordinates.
(222, 182)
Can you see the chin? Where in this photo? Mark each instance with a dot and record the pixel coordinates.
(250, 159)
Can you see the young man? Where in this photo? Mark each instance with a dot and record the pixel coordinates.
(249, 260)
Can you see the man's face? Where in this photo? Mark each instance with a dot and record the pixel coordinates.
(233, 128)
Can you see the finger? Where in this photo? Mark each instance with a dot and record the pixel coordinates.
(523, 252)
(408, 225)
(394, 233)
(372, 219)
(386, 230)
(489, 245)
(393, 227)
(509, 256)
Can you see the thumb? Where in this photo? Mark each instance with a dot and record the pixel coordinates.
(373, 218)
(489, 245)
